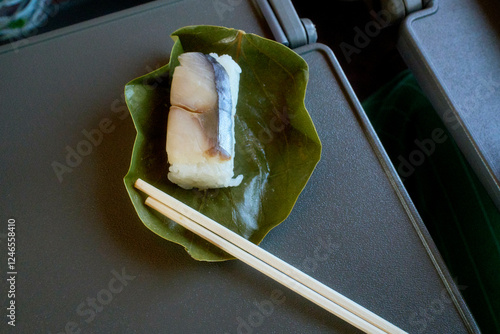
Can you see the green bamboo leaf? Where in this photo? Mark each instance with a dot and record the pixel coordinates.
(277, 147)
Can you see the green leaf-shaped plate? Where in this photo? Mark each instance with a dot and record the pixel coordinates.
(277, 147)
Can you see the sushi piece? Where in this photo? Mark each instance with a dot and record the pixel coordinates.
(200, 129)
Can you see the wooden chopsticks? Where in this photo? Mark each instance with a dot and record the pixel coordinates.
(265, 262)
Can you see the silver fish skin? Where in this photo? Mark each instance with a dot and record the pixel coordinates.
(225, 120)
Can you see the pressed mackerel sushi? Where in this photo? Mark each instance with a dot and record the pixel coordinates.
(200, 130)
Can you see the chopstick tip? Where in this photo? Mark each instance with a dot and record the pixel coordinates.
(139, 184)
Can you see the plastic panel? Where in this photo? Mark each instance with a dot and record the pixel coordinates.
(453, 48)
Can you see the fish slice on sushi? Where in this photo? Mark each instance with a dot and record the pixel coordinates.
(200, 130)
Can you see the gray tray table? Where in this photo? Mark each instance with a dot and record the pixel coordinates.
(86, 264)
